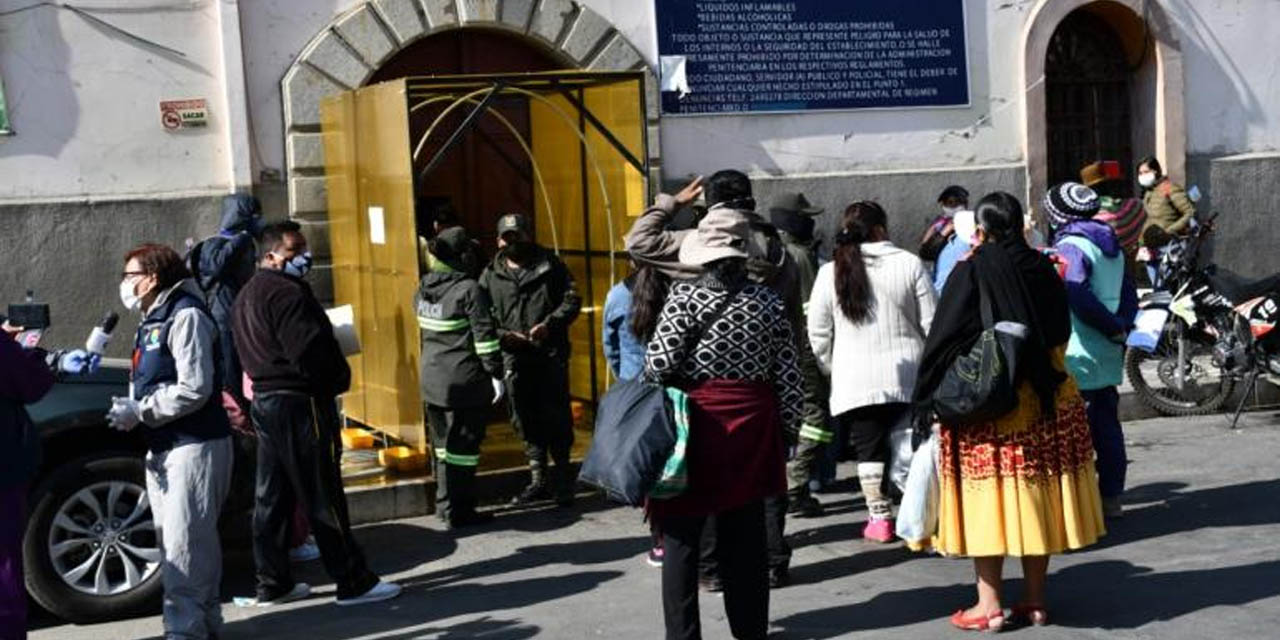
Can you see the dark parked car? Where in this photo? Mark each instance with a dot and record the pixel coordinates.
(90, 548)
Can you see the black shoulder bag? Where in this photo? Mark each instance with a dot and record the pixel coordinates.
(635, 431)
(981, 384)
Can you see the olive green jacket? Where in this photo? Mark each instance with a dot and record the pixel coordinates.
(1168, 207)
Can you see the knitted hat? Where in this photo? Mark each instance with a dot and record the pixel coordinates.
(1070, 201)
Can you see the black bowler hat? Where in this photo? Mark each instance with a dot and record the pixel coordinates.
(792, 212)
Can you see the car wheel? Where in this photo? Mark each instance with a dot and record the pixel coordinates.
(90, 547)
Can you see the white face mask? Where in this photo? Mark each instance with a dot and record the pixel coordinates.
(950, 212)
(130, 299)
(1147, 180)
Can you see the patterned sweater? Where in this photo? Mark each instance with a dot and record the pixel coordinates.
(752, 340)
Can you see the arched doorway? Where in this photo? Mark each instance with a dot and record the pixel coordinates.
(1087, 98)
(1083, 102)
(488, 173)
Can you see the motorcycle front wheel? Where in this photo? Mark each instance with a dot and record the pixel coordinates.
(1179, 378)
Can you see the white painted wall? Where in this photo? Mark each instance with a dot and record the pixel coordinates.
(83, 102)
(274, 32)
(1232, 72)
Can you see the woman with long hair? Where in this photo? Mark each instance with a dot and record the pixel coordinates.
(1023, 484)
(868, 316)
(630, 316)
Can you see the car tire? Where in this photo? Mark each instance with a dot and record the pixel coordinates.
(62, 536)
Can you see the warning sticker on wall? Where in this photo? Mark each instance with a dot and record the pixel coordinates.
(184, 114)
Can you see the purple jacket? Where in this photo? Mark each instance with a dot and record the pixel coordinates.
(1079, 269)
(24, 379)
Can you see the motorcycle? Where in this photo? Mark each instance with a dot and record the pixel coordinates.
(1201, 331)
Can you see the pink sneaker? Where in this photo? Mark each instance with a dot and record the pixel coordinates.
(879, 529)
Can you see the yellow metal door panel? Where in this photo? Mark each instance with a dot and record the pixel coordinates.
(386, 199)
(338, 125)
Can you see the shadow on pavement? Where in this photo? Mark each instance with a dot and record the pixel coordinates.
(1106, 594)
(1174, 511)
(1116, 594)
(418, 606)
(484, 628)
(848, 565)
(586, 552)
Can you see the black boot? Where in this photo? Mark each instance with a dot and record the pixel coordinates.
(565, 482)
(537, 489)
(804, 505)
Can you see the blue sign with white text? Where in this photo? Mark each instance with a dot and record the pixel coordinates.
(729, 56)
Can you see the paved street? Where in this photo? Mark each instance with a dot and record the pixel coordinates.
(1198, 556)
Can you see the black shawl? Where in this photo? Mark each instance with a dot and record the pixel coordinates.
(957, 322)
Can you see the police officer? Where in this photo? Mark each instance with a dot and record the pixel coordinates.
(793, 216)
(461, 373)
(534, 302)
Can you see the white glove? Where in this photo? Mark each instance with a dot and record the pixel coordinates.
(498, 390)
(124, 415)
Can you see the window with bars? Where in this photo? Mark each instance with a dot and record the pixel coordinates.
(1087, 98)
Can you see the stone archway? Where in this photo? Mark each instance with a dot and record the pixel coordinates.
(346, 54)
(1169, 118)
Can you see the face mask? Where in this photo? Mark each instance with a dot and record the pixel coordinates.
(299, 266)
(950, 212)
(130, 299)
(1147, 180)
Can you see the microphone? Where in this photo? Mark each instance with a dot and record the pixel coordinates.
(101, 335)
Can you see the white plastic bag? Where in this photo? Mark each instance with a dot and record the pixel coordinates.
(918, 514)
(900, 451)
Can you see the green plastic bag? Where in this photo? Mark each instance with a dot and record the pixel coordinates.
(675, 475)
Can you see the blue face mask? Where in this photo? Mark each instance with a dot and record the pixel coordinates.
(299, 266)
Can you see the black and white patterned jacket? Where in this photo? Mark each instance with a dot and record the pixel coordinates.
(751, 340)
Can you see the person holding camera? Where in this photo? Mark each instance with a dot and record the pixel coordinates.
(26, 375)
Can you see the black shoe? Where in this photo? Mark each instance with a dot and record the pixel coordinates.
(779, 577)
(711, 585)
(565, 495)
(468, 519)
(806, 507)
(535, 492)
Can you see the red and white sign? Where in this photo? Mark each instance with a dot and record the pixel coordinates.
(184, 114)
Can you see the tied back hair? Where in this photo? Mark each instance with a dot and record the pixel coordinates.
(649, 288)
(1001, 218)
(853, 285)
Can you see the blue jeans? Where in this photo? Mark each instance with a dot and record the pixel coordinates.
(1103, 408)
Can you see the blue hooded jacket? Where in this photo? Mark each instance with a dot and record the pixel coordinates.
(221, 265)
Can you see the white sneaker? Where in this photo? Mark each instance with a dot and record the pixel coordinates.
(305, 552)
(379, 592)
(299, 591)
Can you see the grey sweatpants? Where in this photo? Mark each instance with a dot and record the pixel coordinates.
(187, 486)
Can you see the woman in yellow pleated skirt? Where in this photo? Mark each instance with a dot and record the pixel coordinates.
(1022, 485)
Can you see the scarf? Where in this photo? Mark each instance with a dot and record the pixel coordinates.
(957, 322)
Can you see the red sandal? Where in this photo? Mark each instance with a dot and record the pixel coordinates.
(1032, 614)
(993, 623)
